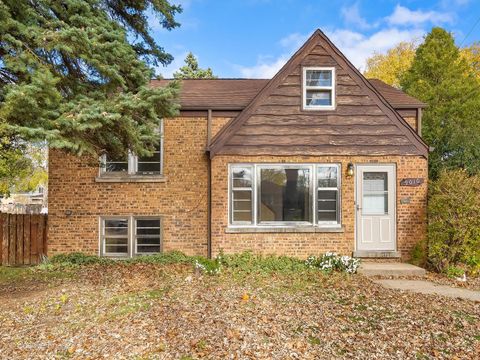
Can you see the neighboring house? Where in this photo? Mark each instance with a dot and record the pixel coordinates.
(33, 202)
(316, 159)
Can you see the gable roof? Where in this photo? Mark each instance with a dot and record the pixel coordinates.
(404, 141)
(236, 94)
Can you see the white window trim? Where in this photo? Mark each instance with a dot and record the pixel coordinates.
(305, 88)
(233, 189)
(338, 189)
(132, 161)
(288, 224)
(131, 233)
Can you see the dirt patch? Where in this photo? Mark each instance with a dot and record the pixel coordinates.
(169, 312)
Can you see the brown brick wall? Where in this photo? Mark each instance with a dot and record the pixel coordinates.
(410, 217)
(181, 200)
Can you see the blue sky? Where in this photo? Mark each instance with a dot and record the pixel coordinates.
(254, 38)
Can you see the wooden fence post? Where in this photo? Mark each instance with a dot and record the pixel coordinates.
(27, 240)
(20, 240)
(12, 241)
(5, 239)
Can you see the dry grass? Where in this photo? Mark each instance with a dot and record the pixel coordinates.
(144, 311)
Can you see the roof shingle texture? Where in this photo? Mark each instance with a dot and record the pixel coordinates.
(236, 94)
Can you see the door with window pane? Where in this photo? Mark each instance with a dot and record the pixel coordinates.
(375, 207)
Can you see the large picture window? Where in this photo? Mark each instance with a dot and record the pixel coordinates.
(127, 236)
(285, 195)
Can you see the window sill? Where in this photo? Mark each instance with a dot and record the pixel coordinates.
(298, 229)
(130, 179)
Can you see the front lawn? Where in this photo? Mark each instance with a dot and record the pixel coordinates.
(162, 311)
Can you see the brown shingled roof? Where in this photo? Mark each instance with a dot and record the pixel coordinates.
(397, 98)
(216, 94)
(236, 94)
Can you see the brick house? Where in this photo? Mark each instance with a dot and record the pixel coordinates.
(316, 159)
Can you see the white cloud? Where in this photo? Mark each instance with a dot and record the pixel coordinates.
(177, 63)
(264, 69)
(404, 16)
(358, 47)
(351, 15)
(293, 41)
(402, 24)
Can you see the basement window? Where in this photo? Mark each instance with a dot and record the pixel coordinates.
(132, 164)
(128, 236)
(319, 88)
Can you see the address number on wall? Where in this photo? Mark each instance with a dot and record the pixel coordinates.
(411, 182)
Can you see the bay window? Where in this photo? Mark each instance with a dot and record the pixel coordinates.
(284, 195)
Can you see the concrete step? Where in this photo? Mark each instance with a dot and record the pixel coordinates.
(390, 269)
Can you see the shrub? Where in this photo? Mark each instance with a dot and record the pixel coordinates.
(171, 257)
(419, 254)
(330, 261)
(454, 220)
(78, 258)
(208, 266)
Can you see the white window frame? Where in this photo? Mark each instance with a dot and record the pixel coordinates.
(338, 189)
(131, 234)
(285, 224)
(330, 88)
(132, 162)
(233, 189)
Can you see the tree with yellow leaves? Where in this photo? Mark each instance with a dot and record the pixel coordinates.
(391, 66)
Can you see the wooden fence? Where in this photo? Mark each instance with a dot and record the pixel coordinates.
(23, 239)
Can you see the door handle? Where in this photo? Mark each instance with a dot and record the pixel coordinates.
(358, 207)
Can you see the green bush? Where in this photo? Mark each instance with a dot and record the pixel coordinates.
(331, 261)
(78, 258)
(171, 257)
(454, 221)
(419, 256)
(208, 266)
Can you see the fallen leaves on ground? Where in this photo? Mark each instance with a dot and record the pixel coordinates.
(169, 312)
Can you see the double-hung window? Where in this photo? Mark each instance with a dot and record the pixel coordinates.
(136, 165)
(328, 194)
(241, 182)
(284, 195)
(319, 88)
(128, 236)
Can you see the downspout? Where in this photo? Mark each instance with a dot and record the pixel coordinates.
(419, 121)
(209, 185)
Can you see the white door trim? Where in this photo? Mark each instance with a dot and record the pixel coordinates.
(392, 200)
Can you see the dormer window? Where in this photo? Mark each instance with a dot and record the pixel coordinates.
(319, 88)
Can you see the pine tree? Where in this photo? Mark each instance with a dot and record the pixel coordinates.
(440, 77)
(76, 73)
(191, 70)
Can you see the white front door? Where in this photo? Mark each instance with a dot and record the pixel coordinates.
(375, 207)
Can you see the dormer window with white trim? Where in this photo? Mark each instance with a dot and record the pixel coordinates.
(319, 88)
